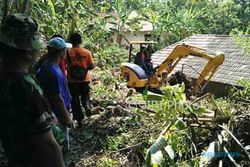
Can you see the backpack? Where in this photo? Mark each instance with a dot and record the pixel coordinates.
(76, 72)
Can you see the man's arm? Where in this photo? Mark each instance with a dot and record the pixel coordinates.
(47, 152)
(90, 61)
(60, 110)
(32, 121)
(57, 103)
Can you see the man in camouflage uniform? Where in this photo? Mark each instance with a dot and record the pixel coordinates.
(24, 122)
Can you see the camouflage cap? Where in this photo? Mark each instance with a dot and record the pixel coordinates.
(21, 32)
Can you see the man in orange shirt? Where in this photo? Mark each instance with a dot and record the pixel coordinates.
(80, 61)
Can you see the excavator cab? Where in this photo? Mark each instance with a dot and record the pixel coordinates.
(137, 78)
(139, 67)
(142, 45)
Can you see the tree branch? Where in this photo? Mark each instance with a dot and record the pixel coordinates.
(237, 141)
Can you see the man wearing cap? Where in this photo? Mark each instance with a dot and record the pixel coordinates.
(54, 82)
(24, 115)
(62, 64)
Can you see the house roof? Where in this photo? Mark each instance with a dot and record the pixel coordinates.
(146, 26)
(235, 66)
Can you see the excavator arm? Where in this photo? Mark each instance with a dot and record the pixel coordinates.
(182, 51)
(137, 78)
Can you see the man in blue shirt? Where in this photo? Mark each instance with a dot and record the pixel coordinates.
(54, 82)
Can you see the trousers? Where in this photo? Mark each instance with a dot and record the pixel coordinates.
(80, 97)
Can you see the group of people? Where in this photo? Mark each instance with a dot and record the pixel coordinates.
(35, 108)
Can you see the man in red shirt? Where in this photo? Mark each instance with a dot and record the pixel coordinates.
(81, 59)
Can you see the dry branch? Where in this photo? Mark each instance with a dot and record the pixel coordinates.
(237, 141)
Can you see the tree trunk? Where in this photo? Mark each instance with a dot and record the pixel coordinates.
(119, 39)
(26, 5)
(5, 9)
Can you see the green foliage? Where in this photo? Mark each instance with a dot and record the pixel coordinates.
(170, 145)
(87, 134)
(246, 87)
(172, 103)
(179, 144)
(106, 162)
(107, 78)
(224, 105)
(171, 20)
(111, 56)
(173, 145)
(244, 15)
(119, 21)
(59, 17)
(116, 142)
(13, 6)
(175, 20)
(52, 9)
(241, 38)
(243, 92)
(219, 17)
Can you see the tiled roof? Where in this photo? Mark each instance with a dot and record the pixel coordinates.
(235, 66)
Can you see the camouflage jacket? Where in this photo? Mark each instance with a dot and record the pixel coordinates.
(23, 113)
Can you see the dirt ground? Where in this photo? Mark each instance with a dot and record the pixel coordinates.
(112, 137)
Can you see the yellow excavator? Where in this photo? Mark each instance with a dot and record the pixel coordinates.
(137, 78)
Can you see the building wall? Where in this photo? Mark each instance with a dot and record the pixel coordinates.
(134, 36)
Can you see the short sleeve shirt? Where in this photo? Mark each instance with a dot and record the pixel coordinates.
(23, 113)
(81, 57)
(53, 82)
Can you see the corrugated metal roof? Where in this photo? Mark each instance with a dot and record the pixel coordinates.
(235, 66)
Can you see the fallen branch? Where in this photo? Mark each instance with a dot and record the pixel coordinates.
(230, 157)
(202, 97)
(127, 105)
(130, 147)
(194, 146)
(237, 141)
(146, 109)
(243, 101)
